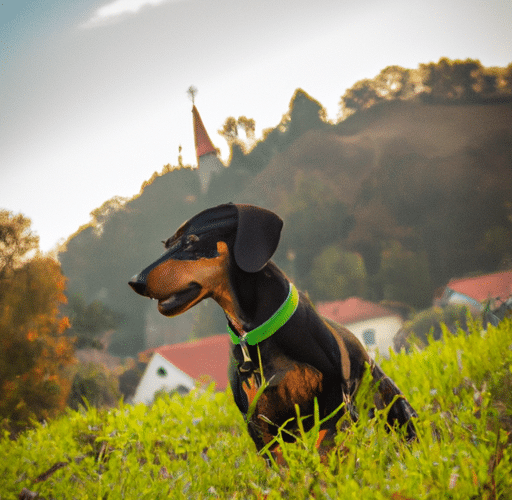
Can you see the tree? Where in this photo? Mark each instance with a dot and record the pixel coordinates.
(94, 385)
(507, 80)
(100, 215)
(229, 130)
(88, 321)
(449, 80)
(16, 241)
(362, 95)
(309, 210)
(336, 275)
(394, 82)
(404, 276)
(305, 113)
(248, 125)
(34, 348)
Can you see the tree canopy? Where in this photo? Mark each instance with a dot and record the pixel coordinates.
(445, 81)
(35, 349)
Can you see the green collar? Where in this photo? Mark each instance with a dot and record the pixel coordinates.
(276, 321)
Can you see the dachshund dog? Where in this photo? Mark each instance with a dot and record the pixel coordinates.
(224, 253)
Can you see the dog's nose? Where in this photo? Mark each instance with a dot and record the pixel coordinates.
(138, 284)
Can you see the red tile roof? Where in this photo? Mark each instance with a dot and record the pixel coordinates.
(482, 288)
(209, 356)
(352, 310)
(203, 143)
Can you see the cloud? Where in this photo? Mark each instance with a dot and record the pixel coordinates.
(113, 11)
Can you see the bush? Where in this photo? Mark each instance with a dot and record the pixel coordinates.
(428, 324)
(93, 385)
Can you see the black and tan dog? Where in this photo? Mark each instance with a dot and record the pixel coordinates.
(224, 253)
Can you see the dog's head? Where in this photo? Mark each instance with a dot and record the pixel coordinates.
(197, 258)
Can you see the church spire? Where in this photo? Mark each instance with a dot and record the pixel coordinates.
(202, 141)
(208, 162)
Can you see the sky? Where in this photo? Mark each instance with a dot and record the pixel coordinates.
(93, 92)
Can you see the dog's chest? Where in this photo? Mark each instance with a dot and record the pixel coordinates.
(287, 383)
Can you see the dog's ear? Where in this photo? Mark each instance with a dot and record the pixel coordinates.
(257, 237)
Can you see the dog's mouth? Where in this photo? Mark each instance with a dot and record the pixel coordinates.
(180, 301)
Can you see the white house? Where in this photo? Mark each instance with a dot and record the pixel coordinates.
(374, 325)
(181, 366)
(160, 374)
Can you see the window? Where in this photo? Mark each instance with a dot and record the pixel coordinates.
(369, 337)
(161, 372)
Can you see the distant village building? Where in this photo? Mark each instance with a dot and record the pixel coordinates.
(179, 367)
(208, 161)
(474, 292)
(374, 325)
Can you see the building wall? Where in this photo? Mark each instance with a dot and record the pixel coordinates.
(209, 164)
(380, 330)
(160, 374)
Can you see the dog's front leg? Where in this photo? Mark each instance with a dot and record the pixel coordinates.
(263, 431)
(401, 411)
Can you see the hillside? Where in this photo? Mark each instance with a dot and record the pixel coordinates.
(346, 154)
(405, 185)
(403, 166)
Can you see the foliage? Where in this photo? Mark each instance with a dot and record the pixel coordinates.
(362, 95)
(313, 214)
(305, 113)
(445, 81)
(88, 321)
(337, 275)
(403, 276)
(16, 241)
(230, 128)
(129, 380)
(93, 385)
(34, 348)
(101, 214)
(430, 324)
(196, 446)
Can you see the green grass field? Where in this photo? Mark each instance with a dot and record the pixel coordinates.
(196, 446)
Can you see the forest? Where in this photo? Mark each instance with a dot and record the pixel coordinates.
(410, 187)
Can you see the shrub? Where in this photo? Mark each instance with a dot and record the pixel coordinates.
(428, 324)
(93, 385)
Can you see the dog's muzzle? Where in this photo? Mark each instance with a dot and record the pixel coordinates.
(138, 282)
(139, 285)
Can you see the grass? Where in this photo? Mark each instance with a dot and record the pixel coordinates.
(196, 446)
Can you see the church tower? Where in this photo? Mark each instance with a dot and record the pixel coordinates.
(208, 161)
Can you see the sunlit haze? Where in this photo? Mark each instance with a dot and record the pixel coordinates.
(93, 92)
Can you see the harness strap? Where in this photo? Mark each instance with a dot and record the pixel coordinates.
(276, 321)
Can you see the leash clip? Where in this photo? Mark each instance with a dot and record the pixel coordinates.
(247, 366)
